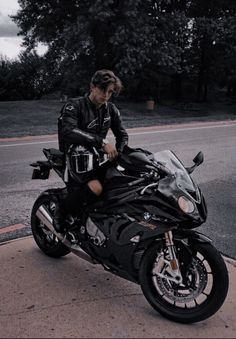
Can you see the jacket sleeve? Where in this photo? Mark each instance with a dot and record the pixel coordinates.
(69, 121)
(118, 129)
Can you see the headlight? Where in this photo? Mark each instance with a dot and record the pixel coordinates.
(185, 205)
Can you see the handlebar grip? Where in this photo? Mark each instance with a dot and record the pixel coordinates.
(163, 169)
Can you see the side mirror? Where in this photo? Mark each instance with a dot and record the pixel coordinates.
(198, 160)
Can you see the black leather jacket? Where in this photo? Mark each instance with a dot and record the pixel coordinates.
(82, 123)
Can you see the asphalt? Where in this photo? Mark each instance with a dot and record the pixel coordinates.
(42, 297)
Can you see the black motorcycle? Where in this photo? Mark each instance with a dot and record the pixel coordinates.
(141, 229)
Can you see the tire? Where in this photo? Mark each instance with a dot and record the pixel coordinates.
(43, 237)
(199, 296)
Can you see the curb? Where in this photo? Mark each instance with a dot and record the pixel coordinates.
(230, 261)
(12, 228)
(129, 130)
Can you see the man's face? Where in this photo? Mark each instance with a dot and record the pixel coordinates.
(100, 96)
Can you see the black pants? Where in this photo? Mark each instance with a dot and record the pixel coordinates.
(78, 192)
(76, 199)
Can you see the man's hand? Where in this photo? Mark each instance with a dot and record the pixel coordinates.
(111, 151)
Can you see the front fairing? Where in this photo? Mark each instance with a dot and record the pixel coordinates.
(177, 173)
(161, 200)
(179, 183)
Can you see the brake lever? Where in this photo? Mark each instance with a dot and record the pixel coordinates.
(148, 186)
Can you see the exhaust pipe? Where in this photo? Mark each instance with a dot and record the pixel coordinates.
(44, 215)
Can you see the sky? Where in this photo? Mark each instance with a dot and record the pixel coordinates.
(10, 43)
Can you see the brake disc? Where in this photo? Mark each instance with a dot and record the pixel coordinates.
(197, 279)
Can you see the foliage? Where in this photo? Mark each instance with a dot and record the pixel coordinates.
(155, 46)
(213, 44)
(27, 78)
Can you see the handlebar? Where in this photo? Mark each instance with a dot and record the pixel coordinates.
(163, 169)
(132, 183)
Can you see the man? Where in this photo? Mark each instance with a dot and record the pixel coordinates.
(85, 121)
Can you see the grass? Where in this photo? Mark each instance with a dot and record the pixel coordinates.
(19, 118)
(39, 117)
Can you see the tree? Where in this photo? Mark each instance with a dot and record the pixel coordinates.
(128, 36)
(143, 41)
(214, 27)
(27, 78)
(5, 67)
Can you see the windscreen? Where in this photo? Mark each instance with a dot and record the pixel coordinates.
(169, 160)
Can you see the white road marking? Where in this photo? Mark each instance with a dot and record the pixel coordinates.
(28, 143)
(132, 133)
(182, 129)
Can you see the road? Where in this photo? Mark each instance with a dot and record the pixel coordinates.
(216, 177)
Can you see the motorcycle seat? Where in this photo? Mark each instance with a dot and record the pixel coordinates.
(55, 156)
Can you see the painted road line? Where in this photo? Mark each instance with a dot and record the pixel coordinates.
(12, 228)
(181, 129)
(28, 143)
(139, 131)
(29, 137)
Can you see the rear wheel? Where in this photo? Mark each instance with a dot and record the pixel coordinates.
(200, 294)
(43, 236)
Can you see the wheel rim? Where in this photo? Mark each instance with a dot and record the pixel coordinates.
(195, 288)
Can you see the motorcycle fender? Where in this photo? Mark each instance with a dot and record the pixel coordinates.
(41, 170)
(191, 236)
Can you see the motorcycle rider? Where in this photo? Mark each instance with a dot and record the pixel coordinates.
(85, 121)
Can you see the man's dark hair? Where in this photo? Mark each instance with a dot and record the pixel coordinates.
(104, 77)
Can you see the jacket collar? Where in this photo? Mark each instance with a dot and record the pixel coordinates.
(93, 105)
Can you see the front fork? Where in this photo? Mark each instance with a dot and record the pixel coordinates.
(173, 269)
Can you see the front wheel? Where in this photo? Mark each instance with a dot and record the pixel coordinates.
(44, 238)
(203, 288)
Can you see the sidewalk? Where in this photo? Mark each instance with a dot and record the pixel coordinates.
(42, 297)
